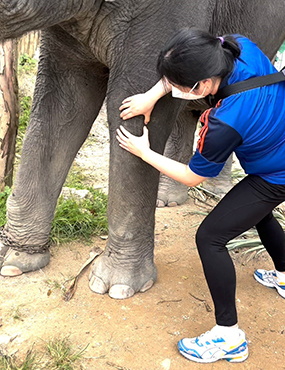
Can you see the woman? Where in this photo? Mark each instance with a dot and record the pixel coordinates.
(193, 65)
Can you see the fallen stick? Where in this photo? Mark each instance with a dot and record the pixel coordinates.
(94, 253)
(170, 301)
(207, 306)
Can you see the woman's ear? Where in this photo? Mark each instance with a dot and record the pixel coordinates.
(207, 81)
(204, 84)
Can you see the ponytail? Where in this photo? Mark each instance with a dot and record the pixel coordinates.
(194, 55)
(231, 45)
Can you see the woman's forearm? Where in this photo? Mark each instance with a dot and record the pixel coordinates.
(139, 146)
(161, 88)
(176, 170)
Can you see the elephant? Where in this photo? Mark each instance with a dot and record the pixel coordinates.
(92, 50)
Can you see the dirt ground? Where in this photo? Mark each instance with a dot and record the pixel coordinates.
(140, 333)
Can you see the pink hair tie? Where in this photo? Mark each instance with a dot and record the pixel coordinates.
(221, 39)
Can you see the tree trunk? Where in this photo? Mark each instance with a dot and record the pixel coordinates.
(9, 110)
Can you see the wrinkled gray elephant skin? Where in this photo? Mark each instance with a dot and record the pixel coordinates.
(92, 49)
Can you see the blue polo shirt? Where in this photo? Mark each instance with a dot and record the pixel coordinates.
(251, 123)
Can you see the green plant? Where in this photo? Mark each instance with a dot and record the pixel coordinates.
(27, 68)
(3, 200)
(25, 109)
(58, 285)
(24, 118)
(75, 178)
(80, 218)
(73, 218)
(55, 285)
(29, 363)
(16, 312)
(62, 355)
(27, 64)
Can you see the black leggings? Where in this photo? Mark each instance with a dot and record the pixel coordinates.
(249, 203)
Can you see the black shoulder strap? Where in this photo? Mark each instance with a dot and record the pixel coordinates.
(251, 83)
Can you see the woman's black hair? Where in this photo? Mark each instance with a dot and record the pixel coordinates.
(194, 55)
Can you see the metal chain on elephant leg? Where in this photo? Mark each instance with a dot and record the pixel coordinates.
(7, 241)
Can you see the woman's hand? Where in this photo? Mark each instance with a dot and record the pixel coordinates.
(137, 145)
(136, 105)
(144, 103)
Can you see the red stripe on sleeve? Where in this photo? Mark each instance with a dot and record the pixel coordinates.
(205, 120)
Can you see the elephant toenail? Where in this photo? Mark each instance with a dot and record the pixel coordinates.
(147, 286)
(121, 291)
(97, 285)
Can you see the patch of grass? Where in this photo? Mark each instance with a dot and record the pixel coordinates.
(9, 363)
(237, 175)
(3, 200)
(80, 218)
(27, 64)
(75, 179)
(57, 285)
(74, 218)
(62, 355)
(16, 312)
(25, 110)
(24, 119)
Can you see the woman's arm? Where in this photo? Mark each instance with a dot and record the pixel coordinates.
(139, 146)
(144, 103)
(161, 88)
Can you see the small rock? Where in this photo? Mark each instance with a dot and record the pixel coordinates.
(78, 193)
(166, 364)
(5, 339)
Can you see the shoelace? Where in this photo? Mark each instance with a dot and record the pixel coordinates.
(270, 275)
(207, 337)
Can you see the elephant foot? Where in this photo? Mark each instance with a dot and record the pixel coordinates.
(3, 251)
(218, 187)
(171, 193)
(120, 283)
(119, 291)
(221, 184)
(16, 263)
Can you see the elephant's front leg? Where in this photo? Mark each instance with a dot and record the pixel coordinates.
(127, 265)
(68, 96)
(180, 148)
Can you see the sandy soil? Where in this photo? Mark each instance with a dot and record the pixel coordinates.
(140, 333)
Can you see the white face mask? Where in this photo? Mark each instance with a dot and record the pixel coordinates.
(176, 93)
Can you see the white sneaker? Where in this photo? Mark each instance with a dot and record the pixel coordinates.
(270, 279)
(213, 346)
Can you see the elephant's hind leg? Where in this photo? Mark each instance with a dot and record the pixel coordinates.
(180, 148)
